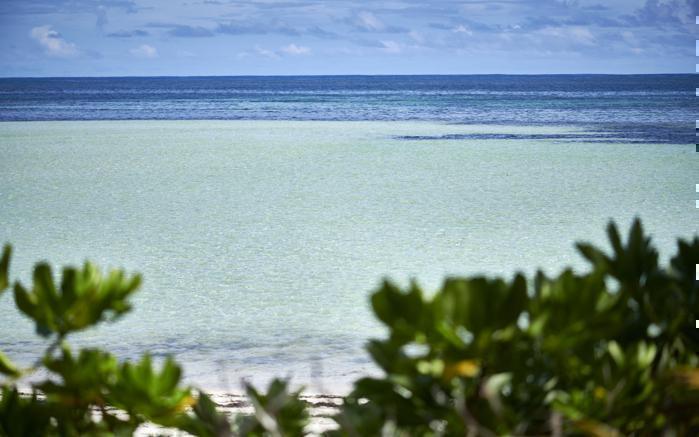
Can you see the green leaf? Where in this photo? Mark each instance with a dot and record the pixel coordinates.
(684, 267)
(153, 395)
(7, 367)
(83, 379)
(634, 263)
(4, 267)
(402, 311)
(616, 353)
(592, 254)
(84, 299)
(278, 412)
(208, 420)
(480, 304)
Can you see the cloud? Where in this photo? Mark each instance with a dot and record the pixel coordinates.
(573, 34)
(190, 31)
(319, 32)
(102, 19)
(128, 34)
(366, 21)
(465, 26)
(664, 12)
(391, 47)
(54, 7)
(183, 30)
(462, 29)
(558, 31)
(144, 51)
(237, 28)
(266, 53)
(53, 43)
(293, 49)
(247, 28)
(288, 50)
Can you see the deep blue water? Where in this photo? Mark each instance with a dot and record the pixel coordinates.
(658, 108)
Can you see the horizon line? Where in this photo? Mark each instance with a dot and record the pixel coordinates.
(346, 75)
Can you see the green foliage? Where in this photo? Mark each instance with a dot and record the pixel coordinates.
(612, 351)
(277, 413)
(609, 352)
(4, 267)
(7, 367)
(143, 391)
(22, 415)
(84, 299)
(90, 392)
(206, 421)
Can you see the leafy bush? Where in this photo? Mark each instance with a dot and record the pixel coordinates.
(613, 351)
(90, 392)
(609, 352)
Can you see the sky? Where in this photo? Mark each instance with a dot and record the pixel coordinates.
(292, 37)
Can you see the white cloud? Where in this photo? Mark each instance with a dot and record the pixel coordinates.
(462, 29)
(144, 51)
(53, 43)
(391, 47)
(266, 53)
(474, 8)
(293, 49)
(369, 21)
(582, 35)
(575, 34)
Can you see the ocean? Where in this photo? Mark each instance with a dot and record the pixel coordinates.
(262, 211)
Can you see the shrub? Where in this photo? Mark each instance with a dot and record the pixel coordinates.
(609, 352)
(89, 391)
(613, 351)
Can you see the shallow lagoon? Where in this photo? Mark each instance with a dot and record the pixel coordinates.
(260, 240)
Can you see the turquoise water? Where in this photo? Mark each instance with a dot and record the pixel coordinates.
(259, 241)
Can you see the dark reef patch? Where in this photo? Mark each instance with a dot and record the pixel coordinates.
(635, 134)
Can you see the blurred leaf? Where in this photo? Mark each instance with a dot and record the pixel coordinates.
(592, 254)
(4, 267)
(141, 390)
(634, 262)
(23, 415)
(467, 368)
(616, 353)
(85, 379)
(596, 429)
(481, 304)
(85, 298)
(7, 367)
(277, 412)
(689, 377)
(206, 421)
(401, 311)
